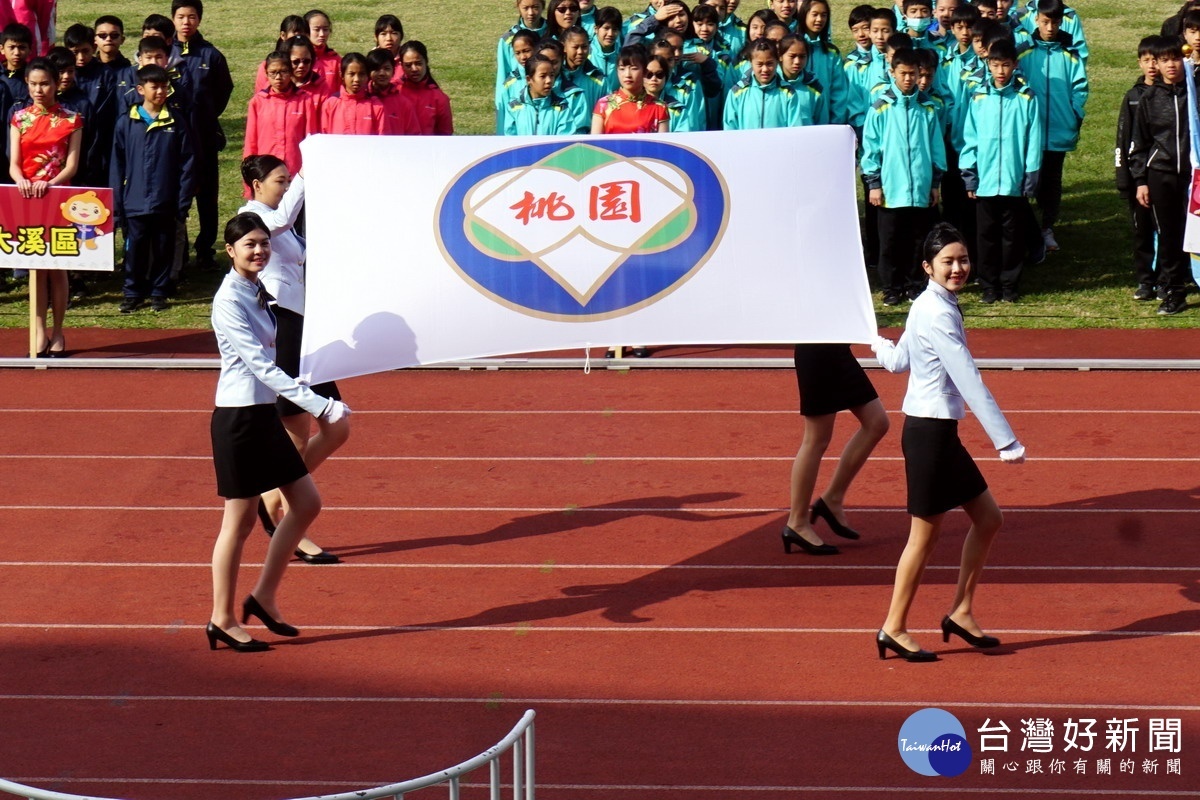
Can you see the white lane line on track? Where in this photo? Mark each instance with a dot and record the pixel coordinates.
(587, 458)
(580, 701)
(597, 510)
(604, 787)
(590, 412)
(526, 629)
(549, 566)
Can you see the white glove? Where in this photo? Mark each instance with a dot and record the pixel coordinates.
(1013, 454)
(881, 343)
(335, 411)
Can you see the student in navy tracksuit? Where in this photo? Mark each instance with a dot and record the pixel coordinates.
(154, 178)
(206, 74)
(1143, 219)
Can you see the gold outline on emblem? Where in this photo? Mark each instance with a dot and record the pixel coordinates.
(688, 197)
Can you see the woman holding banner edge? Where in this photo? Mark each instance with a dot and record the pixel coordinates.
(277, 200)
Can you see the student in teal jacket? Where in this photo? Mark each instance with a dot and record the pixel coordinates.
(531, 19)
(523, 44)
(903, 159)
(539, 110)
(760, 99)
(1001, 157)
(1057, 75)
(810, 99)
(824, 59)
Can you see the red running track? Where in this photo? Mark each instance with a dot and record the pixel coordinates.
(605, 549)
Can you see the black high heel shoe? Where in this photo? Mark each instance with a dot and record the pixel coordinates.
(323, 557)
(264, 517)
(885, 643)
(949, 626)
(790, 537)
(215, 635)
(821, 510)
(251, 608)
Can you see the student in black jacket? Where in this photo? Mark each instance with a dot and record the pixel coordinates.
(1143, 219)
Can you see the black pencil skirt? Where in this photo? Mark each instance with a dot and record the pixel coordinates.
(289, 330)
(941, 473)
(830, 379)
(252, 453)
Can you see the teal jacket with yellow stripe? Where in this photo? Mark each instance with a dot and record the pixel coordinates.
(903, 150)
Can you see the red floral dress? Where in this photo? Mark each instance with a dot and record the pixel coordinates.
(45, 138)
(623, 113)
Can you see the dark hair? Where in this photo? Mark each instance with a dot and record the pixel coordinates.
(62, 59)
(660, 44)
(198, 5)
(705, 13)
(552, 26)
(1190, 20)
(109, 19)
(534, 60)
(160, 24)
(291, 25)
(989, 3)
(776, 23)
(152, 73)
(764, 14)
(45, 65)
(996, 31)
(546, 43)
(608, 16)
(16, 32)
(860, 14)
(905, 57)
(899, 41)
(380, 57)
(1003, 50)
(964, 12)
(633, 54)
(763, 45)
(244, 223)
(257, 168)
(418, 47)
(276, 56)
(298, 41)
(525, 35)
(785, 44)
(79, 34)
(886, 15)
(910, 3)
(353, 58)
(316, 12)
(927, 58)
(1167, 47)
(386, 21)
(153, 44)
(802, 15)
(574, 30)
(666, 66)
(940, 237)
(1145, 46)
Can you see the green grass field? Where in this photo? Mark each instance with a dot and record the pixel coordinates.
(1086, 285)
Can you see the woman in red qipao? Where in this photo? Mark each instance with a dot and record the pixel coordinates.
(629, 109)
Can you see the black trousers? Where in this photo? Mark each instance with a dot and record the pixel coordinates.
(1144, 268)
(149, 250)
(901, 234)
(1169, 204)
(207, 188)
(1001, 223)
(1050, 183)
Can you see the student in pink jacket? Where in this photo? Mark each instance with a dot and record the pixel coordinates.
(327, 63)
(353, 110)
(401, 118)
(281, 116)
(430, 102)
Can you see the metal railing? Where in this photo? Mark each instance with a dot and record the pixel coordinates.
(519, 740)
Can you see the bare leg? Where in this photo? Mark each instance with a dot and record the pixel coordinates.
(873, 426)
(314, 451)
(43, 279)
(986, 520)
(236, 525)
(817, 433)
(922, 537)
(303, 504)
(59, 290)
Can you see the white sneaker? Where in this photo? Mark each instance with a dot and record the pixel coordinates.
(1049, 240)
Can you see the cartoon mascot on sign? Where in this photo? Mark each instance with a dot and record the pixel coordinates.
(87, 214)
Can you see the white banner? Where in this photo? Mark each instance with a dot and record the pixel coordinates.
(430, 249)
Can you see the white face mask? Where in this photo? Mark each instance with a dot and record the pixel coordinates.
(919, 24)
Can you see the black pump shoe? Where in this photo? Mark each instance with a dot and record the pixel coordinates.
(949, 626)
(252, 608)
(885, 643)
(821, 510)
(215, 635)
(323, 557)
(265, 518)
(790, 537)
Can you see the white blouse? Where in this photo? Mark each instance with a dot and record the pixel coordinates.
(284, 273)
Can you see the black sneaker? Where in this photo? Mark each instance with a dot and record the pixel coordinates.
(1145, 293)
(1175, 302)
(130, 304)
(1010, 296)
(892, 298)
(158, 304)
(989, 296)
(1160, 292)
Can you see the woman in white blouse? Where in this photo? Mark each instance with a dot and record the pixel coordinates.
(278, 199)
(252, 453)
(941, 475)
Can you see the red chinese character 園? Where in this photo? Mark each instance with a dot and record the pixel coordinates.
(617, 200)
(553, 207)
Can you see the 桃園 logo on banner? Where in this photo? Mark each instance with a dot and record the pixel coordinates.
(582, 230)
(933, 742)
